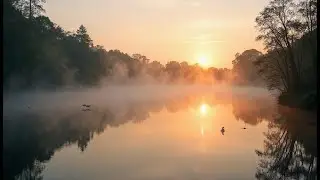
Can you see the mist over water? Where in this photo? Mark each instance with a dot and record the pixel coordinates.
(147, 132)
(38, 101)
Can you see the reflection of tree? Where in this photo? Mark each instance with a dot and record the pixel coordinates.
(252, 111)
(137, 113)
(33, 138)
(173, 106)
(155, 106)
(289, 148)
(182, 103)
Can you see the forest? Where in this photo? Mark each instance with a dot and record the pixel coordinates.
(40, 53)
(288, 30)
(37, 53)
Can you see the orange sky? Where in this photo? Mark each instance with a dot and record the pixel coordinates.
(163, 30)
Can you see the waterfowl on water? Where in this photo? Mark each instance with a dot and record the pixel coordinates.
(86, 105)
(244, 126)
(222, 130)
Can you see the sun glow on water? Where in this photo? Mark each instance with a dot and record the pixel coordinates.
(203, 109)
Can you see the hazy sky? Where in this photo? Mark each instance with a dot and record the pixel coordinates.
(163, 30)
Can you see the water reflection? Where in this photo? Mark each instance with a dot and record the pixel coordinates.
(203, 109)
(252, 111)
(290, 150)
(31, 139)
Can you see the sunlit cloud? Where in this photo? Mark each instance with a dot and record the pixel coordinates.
(164, 3)
(193, 3)
(206, 38)
(202, 36)
(157, 4)
(203, 42)
(211, 42)
(204, 24)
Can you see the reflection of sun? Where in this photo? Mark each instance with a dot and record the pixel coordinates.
(203, 109)
(202, 131)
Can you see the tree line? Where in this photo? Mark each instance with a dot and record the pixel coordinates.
(38, 52)
(288, 30)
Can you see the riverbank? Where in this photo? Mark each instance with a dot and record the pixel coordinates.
(305, 101)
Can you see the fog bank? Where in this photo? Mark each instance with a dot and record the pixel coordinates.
(117, 95)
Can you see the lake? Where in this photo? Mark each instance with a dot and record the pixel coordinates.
(168, 137)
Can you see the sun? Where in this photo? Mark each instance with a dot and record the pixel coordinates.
(203, 61)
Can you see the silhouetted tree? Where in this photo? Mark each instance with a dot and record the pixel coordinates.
(83, 36)
(143, 59)
(155, 69)
(30, 8)
(280, 27)
(243, 68)
(173, 70)
(308, 11)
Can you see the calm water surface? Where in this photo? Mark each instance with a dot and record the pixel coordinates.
(169, 138)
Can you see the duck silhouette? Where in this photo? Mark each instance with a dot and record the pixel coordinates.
(244, 126)
(86, 105)
(222, 130)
